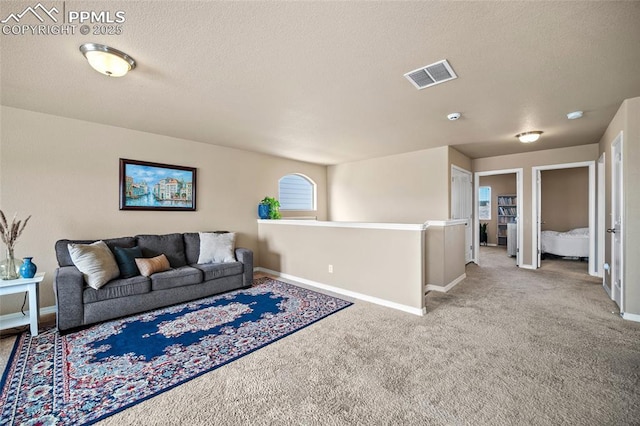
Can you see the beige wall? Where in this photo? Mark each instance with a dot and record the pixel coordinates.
(626, 120)
(456, 158)
(564, 199)
(500, 185)
(444, 255)
(381, 263)
(526, 161)
(65, 173)
(404, 188)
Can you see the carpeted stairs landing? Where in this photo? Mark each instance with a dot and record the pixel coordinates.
(506, 346)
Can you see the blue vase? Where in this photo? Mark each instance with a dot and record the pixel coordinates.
(28, 268)
(263, 211)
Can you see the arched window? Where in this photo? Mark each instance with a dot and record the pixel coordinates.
(297, 192)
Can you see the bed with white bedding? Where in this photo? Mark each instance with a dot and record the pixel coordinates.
(573, 243)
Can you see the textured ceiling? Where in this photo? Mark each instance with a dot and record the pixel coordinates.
(323, 81)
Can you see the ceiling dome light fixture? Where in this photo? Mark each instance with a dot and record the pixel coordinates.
(528, 137)
(574, 115)
(107, 60)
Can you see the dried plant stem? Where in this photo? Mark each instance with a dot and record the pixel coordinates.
(11, 232)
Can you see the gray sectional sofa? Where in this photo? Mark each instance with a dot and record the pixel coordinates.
(80, 305)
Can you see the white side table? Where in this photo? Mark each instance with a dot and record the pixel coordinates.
(31, 286)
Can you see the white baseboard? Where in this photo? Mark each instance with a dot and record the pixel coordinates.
(8, 318)
(631, 317)
(446, 288)
(348, 293)
(525, 266)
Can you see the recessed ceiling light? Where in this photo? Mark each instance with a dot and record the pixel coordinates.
(575, 114)
(454, 116)
(107, 60)
(528, 137)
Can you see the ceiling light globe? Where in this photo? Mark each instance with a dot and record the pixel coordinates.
(529, 137)
(108, 64)
(107, 60)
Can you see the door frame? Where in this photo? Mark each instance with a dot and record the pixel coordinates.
(537, 204)
(614, 271)
(600, 220)
(476, 222)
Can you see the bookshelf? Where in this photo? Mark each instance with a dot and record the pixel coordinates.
(507, 213)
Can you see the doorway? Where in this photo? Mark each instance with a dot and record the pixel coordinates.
(510, 215)
(565, 212)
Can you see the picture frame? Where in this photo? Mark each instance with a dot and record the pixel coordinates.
(155, 186)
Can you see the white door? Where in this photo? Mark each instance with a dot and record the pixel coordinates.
(617, 224)
(462, 205)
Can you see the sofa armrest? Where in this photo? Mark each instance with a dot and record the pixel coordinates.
(245, 256)
(68, 285)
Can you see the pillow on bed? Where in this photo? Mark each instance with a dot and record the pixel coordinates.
(579, 231)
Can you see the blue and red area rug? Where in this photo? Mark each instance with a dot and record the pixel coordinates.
(86, 376)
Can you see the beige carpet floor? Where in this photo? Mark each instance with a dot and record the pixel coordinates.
(506, 346)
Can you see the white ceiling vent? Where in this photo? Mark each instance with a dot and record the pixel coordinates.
(431, 75)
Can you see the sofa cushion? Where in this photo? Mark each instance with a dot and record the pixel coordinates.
(95, 261)
(179, 277)
(211, 271)
(118, 288)
(171, 245)
(191, 246)
(125, 257)
(62, 252)
(217, 248)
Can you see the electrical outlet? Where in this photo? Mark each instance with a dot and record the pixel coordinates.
(331, 269)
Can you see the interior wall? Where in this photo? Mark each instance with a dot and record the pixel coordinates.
(404, 188)
(351, 252)
(526, 161)
(500, 185)
(444, 254)
(626, 120)
(64, 173)
(564, 199)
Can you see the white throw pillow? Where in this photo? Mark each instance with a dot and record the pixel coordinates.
(95, 261)
(217, 248)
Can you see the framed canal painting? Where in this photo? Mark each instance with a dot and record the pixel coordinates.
(155, 186)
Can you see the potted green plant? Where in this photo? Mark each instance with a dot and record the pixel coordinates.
(273, 208)
(483, 233)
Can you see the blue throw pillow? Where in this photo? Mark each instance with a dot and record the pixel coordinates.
(125, 257)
